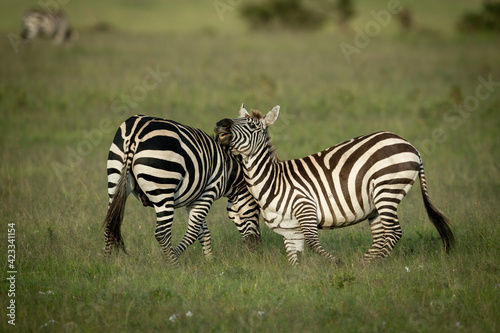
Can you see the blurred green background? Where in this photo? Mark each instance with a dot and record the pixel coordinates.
(60, 106)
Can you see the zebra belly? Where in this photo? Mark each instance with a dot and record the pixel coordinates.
(326, 218)
(278, 223)
(332, 220)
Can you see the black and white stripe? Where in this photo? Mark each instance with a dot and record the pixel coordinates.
(45, 24)
(363, 178)
(168, 165)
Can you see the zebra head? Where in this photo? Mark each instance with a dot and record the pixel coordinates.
(245, 134)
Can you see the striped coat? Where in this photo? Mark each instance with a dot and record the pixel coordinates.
(364, 178)
(169, 165)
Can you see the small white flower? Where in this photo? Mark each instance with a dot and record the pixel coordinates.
(260, 313)
(221, 273)
(421, 266)
(41, 293)
(173, 317)
(457, 324)
(189, 314)
(52, 321)
(50, 292)
(407, 269)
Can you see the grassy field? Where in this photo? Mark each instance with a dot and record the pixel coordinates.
(60, 107)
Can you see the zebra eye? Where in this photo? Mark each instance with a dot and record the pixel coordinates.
(252, 125)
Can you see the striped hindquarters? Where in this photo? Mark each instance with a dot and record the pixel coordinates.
(166, 159)
(169, 165)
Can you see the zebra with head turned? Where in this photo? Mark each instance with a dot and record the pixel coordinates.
(45, 24)
(363, 178)
(168, 165)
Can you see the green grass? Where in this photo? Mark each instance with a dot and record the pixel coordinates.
(51, 98)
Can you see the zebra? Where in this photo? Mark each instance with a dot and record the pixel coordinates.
(167, 165)
(45, 24)
(363, 178)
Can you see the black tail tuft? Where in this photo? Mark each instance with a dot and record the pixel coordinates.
(114, 216)
(440, 221)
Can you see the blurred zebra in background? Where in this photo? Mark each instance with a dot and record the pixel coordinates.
(168, 165)
(45, 24)
(364, 178)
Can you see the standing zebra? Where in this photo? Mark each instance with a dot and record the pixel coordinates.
(168, 165)
(45, 24)
(363, 178)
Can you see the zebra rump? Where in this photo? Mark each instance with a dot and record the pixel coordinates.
(167, 165)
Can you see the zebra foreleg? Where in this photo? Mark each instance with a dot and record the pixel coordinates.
(241, 216)
(163, 232)
(294, 245)
(309, 226)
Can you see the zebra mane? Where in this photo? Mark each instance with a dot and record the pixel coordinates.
(258, 115)
(272, 150)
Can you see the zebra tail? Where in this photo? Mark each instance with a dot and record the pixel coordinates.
(440, 221)
(116, 210)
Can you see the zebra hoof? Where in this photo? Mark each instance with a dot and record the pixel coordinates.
(337, 262)
(252, 242)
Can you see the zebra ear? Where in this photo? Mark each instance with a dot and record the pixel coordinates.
(272, 115)
(243, 112)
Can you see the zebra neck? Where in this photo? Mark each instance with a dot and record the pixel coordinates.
(262, 164)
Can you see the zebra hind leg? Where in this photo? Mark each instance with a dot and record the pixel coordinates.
(206, 241)
(163, 232)
(196, 226)
(392, 229)
(108, 243)
(375, 251)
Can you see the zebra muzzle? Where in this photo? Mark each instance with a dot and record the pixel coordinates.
(221, 129)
